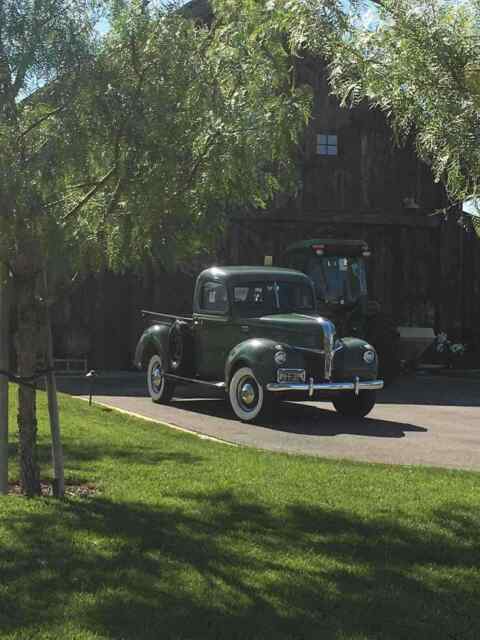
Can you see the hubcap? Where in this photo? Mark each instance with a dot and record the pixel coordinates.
(248, 394)
(157, 378)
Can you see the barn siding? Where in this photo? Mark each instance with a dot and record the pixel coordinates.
(424, 270)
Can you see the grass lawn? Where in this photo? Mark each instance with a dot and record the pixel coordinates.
(190, 539)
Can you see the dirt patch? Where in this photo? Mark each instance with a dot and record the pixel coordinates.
(72, 489)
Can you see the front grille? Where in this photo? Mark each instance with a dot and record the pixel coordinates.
(315, 366)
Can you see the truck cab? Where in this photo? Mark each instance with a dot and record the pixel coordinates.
(256, 333)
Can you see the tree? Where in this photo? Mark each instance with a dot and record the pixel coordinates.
(137, 144)
(419, 62)
(192, 120)
(42, 43)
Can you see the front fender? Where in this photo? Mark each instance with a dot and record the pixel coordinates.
(348, 361)
(153, 340)
(258, 354)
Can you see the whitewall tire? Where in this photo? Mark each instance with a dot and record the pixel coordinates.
(160, 389)
(247, 397)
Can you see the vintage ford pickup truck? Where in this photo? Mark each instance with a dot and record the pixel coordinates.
(255, 333)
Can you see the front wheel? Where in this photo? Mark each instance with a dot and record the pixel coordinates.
(248, 398)
(160, 389)
(353, 406)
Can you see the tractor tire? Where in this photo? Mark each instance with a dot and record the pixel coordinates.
(382, 333)
(181, 349)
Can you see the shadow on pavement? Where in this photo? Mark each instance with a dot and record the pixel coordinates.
(303, 419)
(411, 390)
(131, 385)
(433, 391)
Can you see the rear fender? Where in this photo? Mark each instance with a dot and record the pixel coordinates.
(153, 340)
(258, 355)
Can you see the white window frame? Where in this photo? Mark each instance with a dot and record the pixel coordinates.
(327, 144)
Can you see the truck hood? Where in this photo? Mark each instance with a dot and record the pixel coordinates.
(297, 329)
(293, 321)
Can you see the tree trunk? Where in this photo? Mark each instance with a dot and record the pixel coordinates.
(57, 450)
(26, 347)
(4, 364)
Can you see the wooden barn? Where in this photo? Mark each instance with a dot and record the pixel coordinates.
(355, 183)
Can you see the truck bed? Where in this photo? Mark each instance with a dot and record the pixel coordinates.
(164, 318)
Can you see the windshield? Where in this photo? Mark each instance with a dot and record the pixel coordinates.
(263, 298)
(338, 280)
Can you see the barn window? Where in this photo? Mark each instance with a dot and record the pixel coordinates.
(327, 144)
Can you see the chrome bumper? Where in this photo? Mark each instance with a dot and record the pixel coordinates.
(357, 385)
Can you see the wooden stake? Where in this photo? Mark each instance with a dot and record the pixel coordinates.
(4, 364)
(51, 384)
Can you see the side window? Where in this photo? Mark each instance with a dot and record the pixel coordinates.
(213, 298)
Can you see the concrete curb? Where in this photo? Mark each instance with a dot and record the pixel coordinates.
(463, 374)
(139, 416)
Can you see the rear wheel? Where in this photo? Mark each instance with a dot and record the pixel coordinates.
(160, 389)
(353, 406)
(248, 398)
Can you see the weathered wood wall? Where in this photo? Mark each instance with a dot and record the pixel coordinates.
(101, 318)
(424, 270)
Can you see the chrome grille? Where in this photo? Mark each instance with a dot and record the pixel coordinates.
(328, 346)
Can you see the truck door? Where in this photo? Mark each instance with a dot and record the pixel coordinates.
(212, 330)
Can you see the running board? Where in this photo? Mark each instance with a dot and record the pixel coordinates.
(205, 383)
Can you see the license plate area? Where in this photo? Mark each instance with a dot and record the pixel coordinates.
(291, 375)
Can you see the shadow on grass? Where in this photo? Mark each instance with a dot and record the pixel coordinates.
(80, 458)
(215, 566)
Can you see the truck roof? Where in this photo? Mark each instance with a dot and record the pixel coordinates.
(252, 274)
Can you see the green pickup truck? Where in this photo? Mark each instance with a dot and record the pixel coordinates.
(256, 334)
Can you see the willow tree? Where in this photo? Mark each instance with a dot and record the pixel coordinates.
(45, 44)
(185, 121)
(419, 62)
(137, 144)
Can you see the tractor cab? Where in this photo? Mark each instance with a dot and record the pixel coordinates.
(337, 268)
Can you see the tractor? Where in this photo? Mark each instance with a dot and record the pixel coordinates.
(338, 270)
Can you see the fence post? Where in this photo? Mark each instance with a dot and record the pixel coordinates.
(4, 364)
(51, 384)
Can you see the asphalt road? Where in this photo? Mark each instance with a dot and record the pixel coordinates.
(428, 420)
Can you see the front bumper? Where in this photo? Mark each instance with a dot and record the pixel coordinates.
(310, 387)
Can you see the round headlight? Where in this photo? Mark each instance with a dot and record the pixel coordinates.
(280, 357)
(369, 356)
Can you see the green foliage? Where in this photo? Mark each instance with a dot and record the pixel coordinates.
(195, 122)
(144, 140)
(44, 49)
(420, 64)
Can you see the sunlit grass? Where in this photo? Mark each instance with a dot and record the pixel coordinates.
(192, 539)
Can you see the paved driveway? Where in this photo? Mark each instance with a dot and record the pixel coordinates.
(427, 420)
